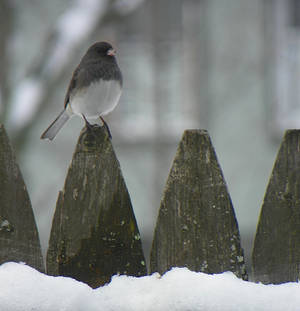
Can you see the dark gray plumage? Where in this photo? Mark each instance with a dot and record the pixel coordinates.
(94, 90)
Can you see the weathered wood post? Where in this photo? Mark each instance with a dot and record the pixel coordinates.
(196, 226)
(94, 232)
(19, 240)
(276, 252)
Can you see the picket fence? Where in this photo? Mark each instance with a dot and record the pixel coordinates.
(94, 233)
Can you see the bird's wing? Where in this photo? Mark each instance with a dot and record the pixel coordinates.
(71, 86)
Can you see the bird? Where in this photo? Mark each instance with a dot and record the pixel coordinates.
(94, 89)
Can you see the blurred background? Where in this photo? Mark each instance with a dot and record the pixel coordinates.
(231, 67)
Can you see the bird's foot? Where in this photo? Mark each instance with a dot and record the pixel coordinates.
(89, 126)
(106, 127)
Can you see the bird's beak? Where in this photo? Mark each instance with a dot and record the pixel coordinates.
(111, 52)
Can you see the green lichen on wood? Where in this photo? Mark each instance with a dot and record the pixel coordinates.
(276, 252)
(94, 229)
(19, 240)
(196, 226)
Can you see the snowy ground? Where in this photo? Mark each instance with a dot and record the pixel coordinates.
(23, 288)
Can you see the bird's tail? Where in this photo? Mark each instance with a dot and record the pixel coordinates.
(56, 125)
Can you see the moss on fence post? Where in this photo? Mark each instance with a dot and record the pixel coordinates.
(196, 226)
(276, 252)
(94, 232)
(19, 240)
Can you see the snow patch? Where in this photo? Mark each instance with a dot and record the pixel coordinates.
(23, 288)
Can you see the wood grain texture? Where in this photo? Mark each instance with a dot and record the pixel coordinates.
(19, 239)
(94, 233)
(276, 252)
(196, 225)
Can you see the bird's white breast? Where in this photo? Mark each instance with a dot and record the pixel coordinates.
(99, 99)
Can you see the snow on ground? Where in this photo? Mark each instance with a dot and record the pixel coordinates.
(23, 288)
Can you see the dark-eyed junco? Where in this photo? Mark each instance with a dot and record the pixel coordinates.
(94, 90)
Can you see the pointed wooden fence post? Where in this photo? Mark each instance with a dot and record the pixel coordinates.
(19, 240)
(94, 232)
(196, 226)
(276, 252)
